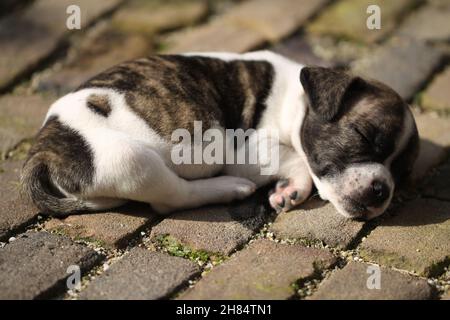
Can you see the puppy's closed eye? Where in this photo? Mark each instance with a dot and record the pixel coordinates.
(363, 136)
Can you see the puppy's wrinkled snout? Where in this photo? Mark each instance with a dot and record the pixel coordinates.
(377, 194)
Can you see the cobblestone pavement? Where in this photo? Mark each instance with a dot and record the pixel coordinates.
(243, 250)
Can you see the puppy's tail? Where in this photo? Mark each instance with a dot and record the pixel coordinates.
(38, 185)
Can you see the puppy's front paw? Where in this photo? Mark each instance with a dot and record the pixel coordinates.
(286, 195)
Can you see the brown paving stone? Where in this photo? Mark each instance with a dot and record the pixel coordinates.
(350, 283)
(245, 26)
(28, 36)
(101, 48)
(132, 27)
(20, 118)
(264, 270)
(430, 22)
(111, 229)
(347, 19)
(142, 274)
(438, 186)
(434, 133)
(35, 265)
(151, 17)
(217, 229)
(416, 239)
(14, 211)
(317, 220)
(403, 64)
(437, 95)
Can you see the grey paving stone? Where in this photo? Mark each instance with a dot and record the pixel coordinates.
(350, 283)
(434, 133)
(264, 270)
(111, 229)
(301, 50)
(35, 265)
(216, 229)
(437, 96)
(245, 26)
(21, 116)
(317, 220)
(14, 211)
(29, 36)
(403, 64)
(416, 239)
(430, 22)
(142, 274)
(339, 52)
(348, 19)
(438, 186)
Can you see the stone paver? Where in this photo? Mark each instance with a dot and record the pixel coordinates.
(350, 283)
(434, 133)
(438, 186)
(133, 27)
(348, 19)
(35, 265)
(401, 63)
(151, 17)
(142, 274)
(14, 211)
(416, 239)
(100, 49)
(437, 95)
(340, 52)
(446, 296)
(431, 23)
(216, 229)
(317, 220)
(264, 270)
(20, 118)
(29, 36)
(111, 229)
(245, 26)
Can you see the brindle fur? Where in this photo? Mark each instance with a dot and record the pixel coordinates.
(350, 123)
(99, 104)
(59, 154)
(170, 92)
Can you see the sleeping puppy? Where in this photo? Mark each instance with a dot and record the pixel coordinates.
(111, 140)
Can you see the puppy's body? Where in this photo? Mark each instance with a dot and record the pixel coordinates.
(110, 140)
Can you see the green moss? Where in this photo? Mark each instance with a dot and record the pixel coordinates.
(96, 242)
(20, 151)
(175, 248)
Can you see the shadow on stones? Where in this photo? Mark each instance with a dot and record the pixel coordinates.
(255, 207)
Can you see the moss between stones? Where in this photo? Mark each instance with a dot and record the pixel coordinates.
(20, 151)
(175, 248)
(63, 231)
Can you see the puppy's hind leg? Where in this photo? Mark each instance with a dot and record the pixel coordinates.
(139, 173)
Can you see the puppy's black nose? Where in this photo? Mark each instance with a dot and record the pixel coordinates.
(378, 193)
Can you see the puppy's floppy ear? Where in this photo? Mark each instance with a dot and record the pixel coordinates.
(325, 89)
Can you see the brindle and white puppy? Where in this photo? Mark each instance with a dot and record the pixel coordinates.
(109, 140)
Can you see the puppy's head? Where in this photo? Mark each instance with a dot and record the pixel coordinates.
(360, 140)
